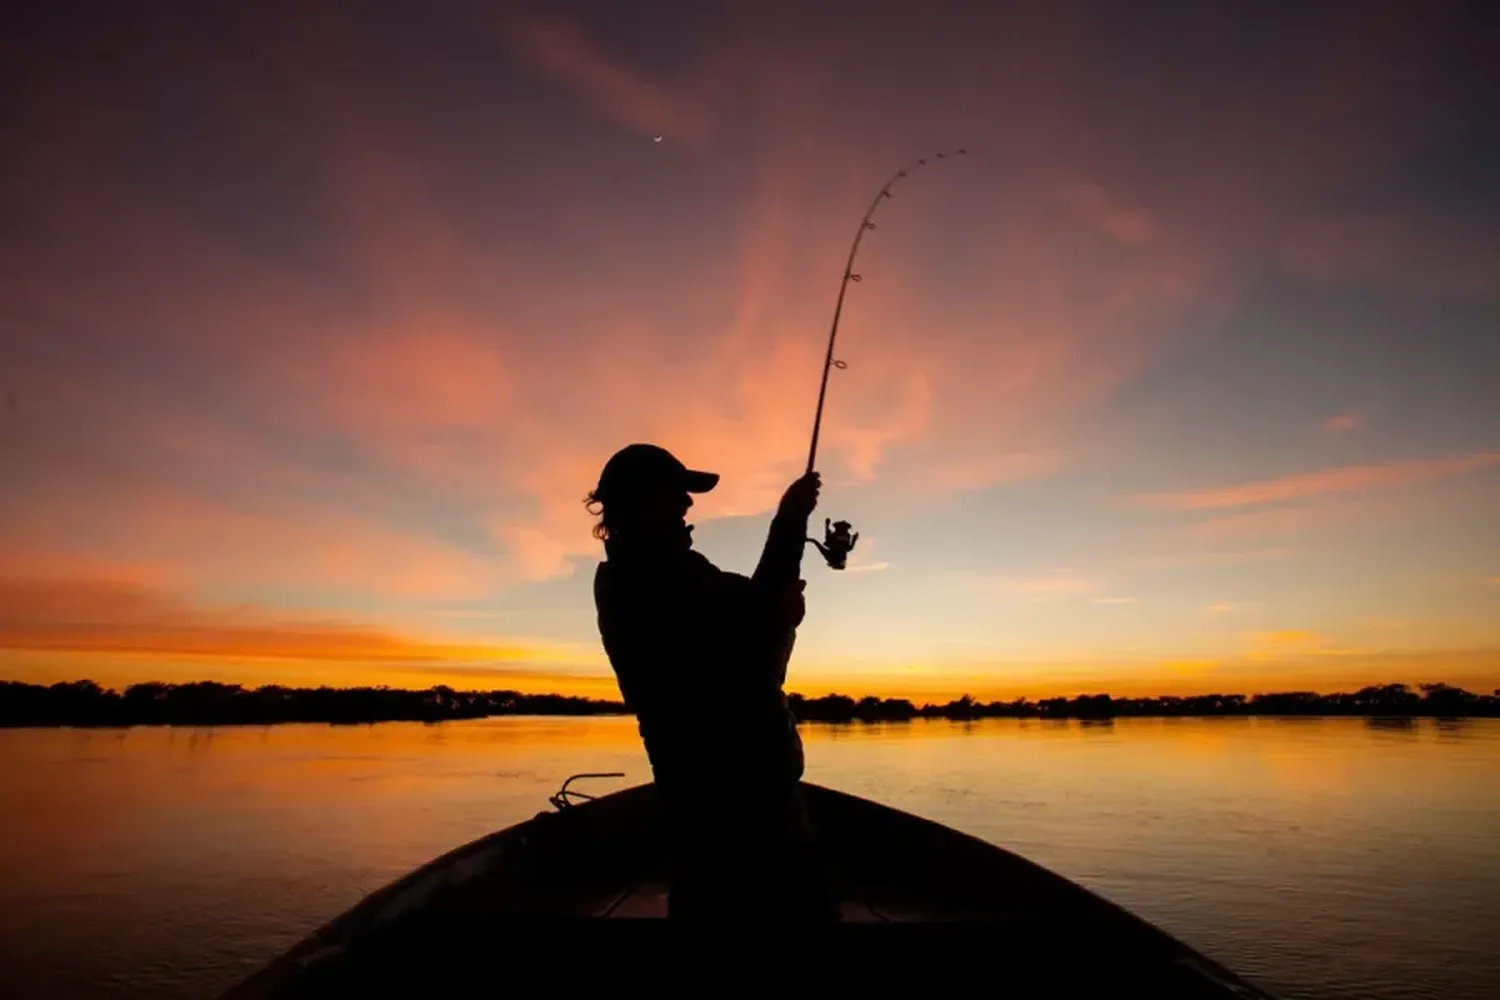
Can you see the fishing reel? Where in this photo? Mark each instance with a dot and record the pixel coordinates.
(837, 543)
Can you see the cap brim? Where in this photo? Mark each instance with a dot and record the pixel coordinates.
(699, 482)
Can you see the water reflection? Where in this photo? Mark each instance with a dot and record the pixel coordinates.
(1454, 728)
(1332, 856)
(1392, 724)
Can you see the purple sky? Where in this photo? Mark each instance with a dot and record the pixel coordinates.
(317, 322)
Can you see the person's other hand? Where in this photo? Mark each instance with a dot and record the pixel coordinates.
(801, 497)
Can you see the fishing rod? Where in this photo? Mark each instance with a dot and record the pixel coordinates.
(837, 541)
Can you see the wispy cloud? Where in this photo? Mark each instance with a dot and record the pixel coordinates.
(1114, 600)
(1053, 583)
(628, 97)
(1269, 522)
(1347, 479)
(1445, 254)
(1092, 205)
(980, 471)
(1190, 560)
(871, 567)
(1347, 421)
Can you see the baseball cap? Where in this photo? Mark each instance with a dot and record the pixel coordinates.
(638, 466)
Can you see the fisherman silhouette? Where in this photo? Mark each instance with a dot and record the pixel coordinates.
(701, 656)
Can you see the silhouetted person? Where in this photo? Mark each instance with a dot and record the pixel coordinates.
(701, 657)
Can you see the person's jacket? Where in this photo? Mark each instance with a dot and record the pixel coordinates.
(700, 655)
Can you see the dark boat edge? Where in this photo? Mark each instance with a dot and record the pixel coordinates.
(1193, 974)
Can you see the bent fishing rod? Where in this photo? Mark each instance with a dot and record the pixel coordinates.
(838, 542)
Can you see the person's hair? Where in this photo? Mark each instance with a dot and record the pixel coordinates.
(595, 506)
(613, 517)
(607, 525)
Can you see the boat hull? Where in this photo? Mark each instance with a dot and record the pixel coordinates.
(582, 889)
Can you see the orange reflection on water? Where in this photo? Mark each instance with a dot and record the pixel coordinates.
(158, 846)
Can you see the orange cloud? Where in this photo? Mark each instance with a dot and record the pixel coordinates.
(1284, 642)
(1343, 480)
(1341, 422)
(107, 619)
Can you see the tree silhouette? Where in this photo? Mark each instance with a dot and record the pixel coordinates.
(85, 703)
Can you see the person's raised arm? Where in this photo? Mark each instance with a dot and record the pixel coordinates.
(781, 561)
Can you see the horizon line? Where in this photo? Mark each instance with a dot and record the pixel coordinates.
(959, 699)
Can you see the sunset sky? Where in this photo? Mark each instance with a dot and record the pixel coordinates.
(317, 321)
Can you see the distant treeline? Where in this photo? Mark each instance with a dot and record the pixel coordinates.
(208, 703)
(1381, 699)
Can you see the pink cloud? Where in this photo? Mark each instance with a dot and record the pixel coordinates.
(650, 107)
(430, 392)
(1341, 422)
(1274, 523)
(1093, 206)
(1349, 479)
(443, 401)
(191, 540)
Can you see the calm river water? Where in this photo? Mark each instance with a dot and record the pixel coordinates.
(1322, 857)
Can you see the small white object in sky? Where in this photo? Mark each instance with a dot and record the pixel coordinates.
(656, 138)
